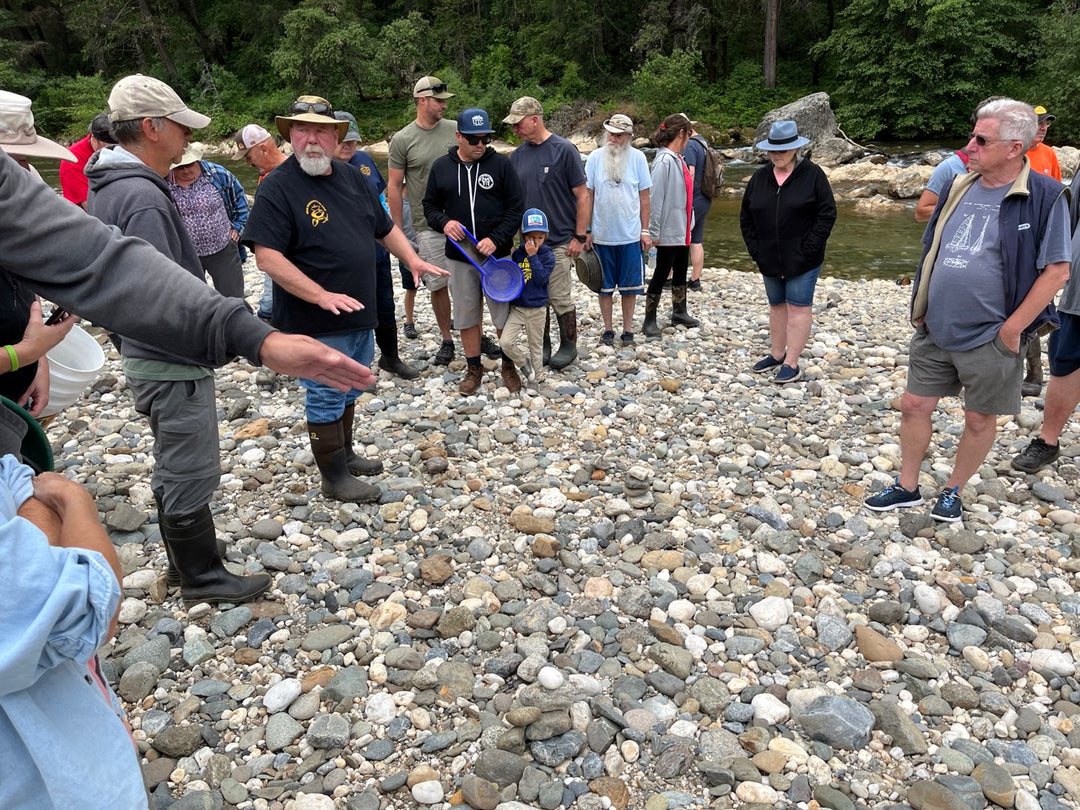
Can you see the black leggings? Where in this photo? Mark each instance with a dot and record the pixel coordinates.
(669, 257)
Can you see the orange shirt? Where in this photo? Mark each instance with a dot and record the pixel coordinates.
(1044, 160)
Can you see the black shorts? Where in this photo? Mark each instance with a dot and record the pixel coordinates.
(1063, 348)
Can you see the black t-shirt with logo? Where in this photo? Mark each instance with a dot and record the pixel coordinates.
(327, 227)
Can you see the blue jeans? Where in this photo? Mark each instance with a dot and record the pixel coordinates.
(797, 291)
(325, 404)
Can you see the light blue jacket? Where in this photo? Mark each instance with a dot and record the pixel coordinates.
(668, 214)
(62, 745)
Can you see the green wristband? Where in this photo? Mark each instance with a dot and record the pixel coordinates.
(14, 357)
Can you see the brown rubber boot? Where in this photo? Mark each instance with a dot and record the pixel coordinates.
(328, 446)
(358, 465)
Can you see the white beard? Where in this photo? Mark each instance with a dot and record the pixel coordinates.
(314, 162)
(615, 157)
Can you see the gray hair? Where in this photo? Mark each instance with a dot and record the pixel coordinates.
(1016, 120)
(130, 132)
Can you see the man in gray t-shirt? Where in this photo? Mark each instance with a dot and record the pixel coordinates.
(997, 252)
(1063, 390)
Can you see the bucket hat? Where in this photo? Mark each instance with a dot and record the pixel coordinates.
(139, 96)
(312, 110)
(193, 154)
(783, 135)
(619, 124)
(17, 133)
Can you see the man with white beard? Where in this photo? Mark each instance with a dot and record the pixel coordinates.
(313, 229)
(617, 181)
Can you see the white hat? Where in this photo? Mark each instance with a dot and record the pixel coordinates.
(249, 136)
(138, 96)
(17, 133)
(193, 154)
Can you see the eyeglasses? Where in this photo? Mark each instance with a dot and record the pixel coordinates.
(982, 140)
(317, 107)
(476, 139)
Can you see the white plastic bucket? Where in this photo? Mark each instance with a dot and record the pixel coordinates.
(74, 363)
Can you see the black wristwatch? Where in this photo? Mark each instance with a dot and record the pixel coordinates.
(581, 237)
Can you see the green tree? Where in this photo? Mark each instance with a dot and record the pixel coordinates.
(1057, 81)
(913, 67)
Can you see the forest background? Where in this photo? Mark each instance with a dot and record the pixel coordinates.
(895, 69)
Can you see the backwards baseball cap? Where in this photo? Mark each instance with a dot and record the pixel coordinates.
(251, 135)
(534, 220)
(311, 110)
(352, 134)
(431, 86)
(619, 124)
(474, 121)
(17, 133)
(523, 108)
(100, 129)
(1043, 114)
(138, 96)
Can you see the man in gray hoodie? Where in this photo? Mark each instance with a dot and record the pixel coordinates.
(127, 189)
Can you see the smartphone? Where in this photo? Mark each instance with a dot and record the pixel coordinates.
(57, 315)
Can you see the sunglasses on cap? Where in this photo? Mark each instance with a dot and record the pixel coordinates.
(476, 139)
(317, 107)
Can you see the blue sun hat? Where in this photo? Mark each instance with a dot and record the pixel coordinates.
(783, 135)
(534, 220)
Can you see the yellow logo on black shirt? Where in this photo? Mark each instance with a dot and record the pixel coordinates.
(317, 211)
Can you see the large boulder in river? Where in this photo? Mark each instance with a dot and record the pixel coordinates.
(909, 182)
(812, 113)
(1069, 159)
(834, 151)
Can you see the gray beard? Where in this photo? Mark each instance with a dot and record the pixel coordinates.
(314, 165)
(615, 158)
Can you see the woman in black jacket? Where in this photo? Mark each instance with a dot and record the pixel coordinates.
(787, 215)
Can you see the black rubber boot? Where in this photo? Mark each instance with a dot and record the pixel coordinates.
(679, 315)
(547, 336)
(328, 445)
(193, 546)
(567, 352)
(648, 327)
(1033, 379)
(386, 338)
(358, 465)
(172, 574)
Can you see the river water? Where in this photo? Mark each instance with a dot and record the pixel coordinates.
(882, 245)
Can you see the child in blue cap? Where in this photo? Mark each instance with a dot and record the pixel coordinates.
(528, 312)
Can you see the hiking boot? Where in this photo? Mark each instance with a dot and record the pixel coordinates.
(445, 355)
(627, 339)
(410, 331)
(893, 497)
(787, 374)
(1030, 389)
(767, 363)
(489, 348)
(1035, 456)
(510, 377)
(694, 285)
(948, 506)
(608, 338)
(397, 366)
(470, 383)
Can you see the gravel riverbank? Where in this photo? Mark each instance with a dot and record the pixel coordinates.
(651, 586)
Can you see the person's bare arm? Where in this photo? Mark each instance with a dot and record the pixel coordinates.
(925, 206)
(646, 240)
(584, 215)
(77, 515)
(291, 278)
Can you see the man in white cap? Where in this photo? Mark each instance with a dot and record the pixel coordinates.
(553, 180)
(412, 151)
(618, 183)
(314, 228)
(256, 147)
(151, 125)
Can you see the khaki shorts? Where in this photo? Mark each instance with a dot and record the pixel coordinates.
(990, 375)
(467, 297)
(432, 248)
(560, 291)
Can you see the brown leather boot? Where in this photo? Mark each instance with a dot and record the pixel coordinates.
(470, 383)
(510, 376)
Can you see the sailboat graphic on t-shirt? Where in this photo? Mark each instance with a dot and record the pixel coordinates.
(962, 241)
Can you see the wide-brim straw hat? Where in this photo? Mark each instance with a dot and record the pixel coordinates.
(318, 111)
(193, 154)
(17, 133)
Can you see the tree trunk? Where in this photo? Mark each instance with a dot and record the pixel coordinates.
(772, 14)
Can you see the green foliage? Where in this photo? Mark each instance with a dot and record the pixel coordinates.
(1057, 81)
(667, 84)
(65, 106)
(912, 67)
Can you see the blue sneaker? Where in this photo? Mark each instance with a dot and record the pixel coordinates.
(766, 363)
(948, 506)
(893, 497)
(787, 374)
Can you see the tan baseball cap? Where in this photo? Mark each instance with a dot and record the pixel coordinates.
(431, 86)
(523, 108)
(139, 96)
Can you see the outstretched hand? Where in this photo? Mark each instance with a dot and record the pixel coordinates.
(303, 356)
